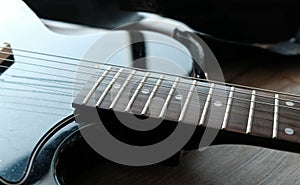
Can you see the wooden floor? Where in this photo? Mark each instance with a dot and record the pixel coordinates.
(221, 164)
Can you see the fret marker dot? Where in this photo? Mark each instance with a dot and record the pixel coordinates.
(145, 91)
(117, 86)
(218, 103)
(289, 103)
(289, 131)
(178, 97)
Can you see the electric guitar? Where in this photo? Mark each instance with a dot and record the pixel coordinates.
(45, 97)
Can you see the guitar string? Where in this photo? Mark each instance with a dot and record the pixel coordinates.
(216, 95)
(158, 93)
(64, 85)
(53, 92)
(190, 78)
(247, 108)
(108, 76)
(56, 68)
(187, 90)
(41, 73)
(190, 106)
(199, 92)
(269, 97)
(128, 67)
(224, 97)
(136, 75)
(33, 98)
(203, 99)
(30, 111)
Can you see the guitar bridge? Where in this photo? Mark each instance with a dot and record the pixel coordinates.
(6, 57)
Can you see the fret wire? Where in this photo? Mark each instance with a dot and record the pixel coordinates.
(91, 92)
(172, 90)
(136, 92)
(251, 111)
(207, 102)
(276, 112)
(109, 87)
(152, 94)
(228, 107)
(187, 101)
(113, 104)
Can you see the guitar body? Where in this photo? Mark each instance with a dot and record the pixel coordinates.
(43, 90)
(35, 111)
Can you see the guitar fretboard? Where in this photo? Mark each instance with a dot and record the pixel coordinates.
(186, 100)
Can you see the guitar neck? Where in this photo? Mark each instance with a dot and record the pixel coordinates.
(242, 115)
(261, 118)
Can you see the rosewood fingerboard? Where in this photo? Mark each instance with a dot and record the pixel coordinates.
(242, 114)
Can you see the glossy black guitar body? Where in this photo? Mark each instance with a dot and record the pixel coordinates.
(37, 127)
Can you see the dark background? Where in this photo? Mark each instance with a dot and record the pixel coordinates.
(262, 21)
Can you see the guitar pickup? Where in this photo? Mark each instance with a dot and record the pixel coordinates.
(6, 57)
